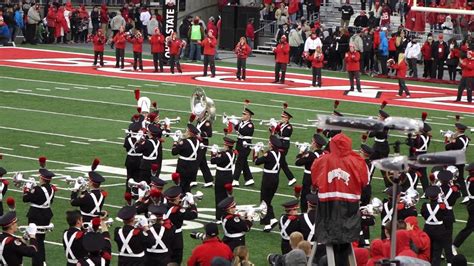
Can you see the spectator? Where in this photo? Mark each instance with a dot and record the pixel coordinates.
(295, 40)
(250, 34)
(19, 22)
(372, 22)
(283, 30)
(376, 252)
(104, 19)
(9, 19)
(196, 35)
(115, 24)
(346, 13)
(183, 34)
(293, 9)
(361, 254)
(145, 17)
(361, 20)
(33, 18)
(4, 32)
(281, 15)
(61, 27)
(84, 25)
(427, 57)
(352, 60)
(392, 46)
(67, 16)
(210, 248)
(356, 39)
(452, 60)
(420, 239)
(95, 19)
(385, 16)
(439, 51)
(367, 52)
(51, 22)
(241, 257)
(152, 25)
(448, 28)
(383, 51)
(413, 53)
(296, 257)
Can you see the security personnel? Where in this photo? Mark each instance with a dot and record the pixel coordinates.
(13, 248)
(366, 152)
(451, 192)
(151, 149)
(162, 232)
(131, 241)
(245, 129)
(205, 127)
(233, 224)
(435, 215)
(3, 188)
(40, 198)
(90, 202)
(94, 243)
(187, 149)
(305, 158)
(224, 162)
(381, 147)
(469, 228)
(154, 196)
(132, 162)
(177, 214)
(284, 130)
(289, 223)
(73, 237)
(421, 145)
(270, 179)
(459, 141)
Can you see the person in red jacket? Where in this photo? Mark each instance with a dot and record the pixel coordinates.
(420, 239)
(250, 33)
(62, 29)
(401, 68)
(51, 21)
(157, 42)
(467, 79)
(175, 46)
(211, 248)
(282, 54)
(137, 41)
(120, 42)
(352, 60)
(99, 41)
(104, 18)
(242, 50)
(427, 57)
(376, 252)
(317, 61)
(209, 44)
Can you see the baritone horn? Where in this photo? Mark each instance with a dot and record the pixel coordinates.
(253, 213)
(202, 106)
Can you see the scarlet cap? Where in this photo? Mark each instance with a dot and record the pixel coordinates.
(96, 222)
(154, 104)
(137, 94)
(246, 101)
(364, 136)
(336, 104)
(298, 189)
(230, 127)
(236, 152)
(154, 167)
(192, 117)
(175, 177)
(127, 196)
(384, 103)
(228, 187)
(139, 109)
(424, 115)
(95, 163)
(136, 117)
(5, 182)
(152, 117)
(11, 202)
(42, 161)
(155, 193)
(106, 255)
(319, 130)
(285, 105)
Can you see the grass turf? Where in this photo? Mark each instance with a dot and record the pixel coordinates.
(101, 112)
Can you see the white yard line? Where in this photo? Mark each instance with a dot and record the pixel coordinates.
(152, 85)
(29, 146)
(41, 89)
(5, 148)
(62, 89)
(55, 144)
(134, 86)
(116, 86)
(26, 90)
(81, 88)
(78, 142)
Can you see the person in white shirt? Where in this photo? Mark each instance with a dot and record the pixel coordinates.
(310, 45)
(412, 53)
(145, 17)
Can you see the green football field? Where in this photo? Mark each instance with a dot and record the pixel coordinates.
(72, 119)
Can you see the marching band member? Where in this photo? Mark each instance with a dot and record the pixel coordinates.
(133, 160)
(270, 179)
(137, 41)
(307, 218)
(284, 130)
(155, 195)
(366, 152)
(282, 57)
(120, 42)
(94, 243)
(387, 211)
(177, 214)
(99, 42)
(209, 44)
(242, 50)
(90, 202)
(469, 228)
(224, 161)
(449, 197)
(233, 224)
(205, 127)
(409, 179)
(40, 198)
(317, 62)
(3, 188)
(421, 145)
(131, 241)
(435, 215)
(289, 223)
(73, 238)
(352, 59)
(13, 248)
(175, 46)
(381, 147)
(187, 149)
(306, 158)
(151, 150)
(162, 232)
(245, 129)
(459, 141)
(157, 42)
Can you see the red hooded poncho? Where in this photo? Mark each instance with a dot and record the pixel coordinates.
(376, 252)
(420, 239)
(61, 23)
(403, 245)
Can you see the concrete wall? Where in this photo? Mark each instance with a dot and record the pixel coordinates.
(202, 8)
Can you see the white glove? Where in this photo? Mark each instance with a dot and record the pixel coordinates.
(29, 185)
(214, 149)
(175, 137)
(142, 222)
(167, 121)
(31, 229)
(234, 120)
(302, 148)
(258, 147)
(273, 122)
(77, 186)
(225, 120)
(190, 198)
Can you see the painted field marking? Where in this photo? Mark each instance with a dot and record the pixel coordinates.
(135, 86)
(25, 90)
(55, 144)
(81, 88)
(5, 148)
(62, 89)
(41, 89)
(78, 142)
(29, 146)
(116, 86)
(152, 85)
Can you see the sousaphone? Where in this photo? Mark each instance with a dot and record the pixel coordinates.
(203, 107)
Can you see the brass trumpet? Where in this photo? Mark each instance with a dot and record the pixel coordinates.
(41, 229)
(189, 199)
(177, 135)
(303, 146)
(447, 133)
(83, 184)
(254, 146)
(233, 119)
(168, 121)
(253, 213)
(88, 226)
(20, 181)
(142, 187)
(269, 122)
(373, 208)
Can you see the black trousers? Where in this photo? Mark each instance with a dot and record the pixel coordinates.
(285, 246)
(305, 190)
(129, 261)
(284, 165)
(383, 64)
(268, 189)
(209, 60)
(468, 229)
(365, 66)
(100, 56)
(440, 68)
(413, 67)
(174, 60)
(220, 193)
(402, 87)
(234, 242)
(466, 83)
(50, 35)
(423, 178)
(427, 68)
(152, 259)
(158, 60)
(202, 161)
(114, 32)
(177, 253)
(280, 67)
(241, 67)
(461, 181)
(439, 242)
(30, 35)
(452, 72)
(354, 75)
(242, 165)
(137, 57)
(119, 57)
(317, 76)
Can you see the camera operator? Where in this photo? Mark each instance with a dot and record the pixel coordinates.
(211, 248)
(295, 257)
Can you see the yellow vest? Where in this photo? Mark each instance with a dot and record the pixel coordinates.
(196, 33)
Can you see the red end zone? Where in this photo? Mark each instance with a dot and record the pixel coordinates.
(426, 97)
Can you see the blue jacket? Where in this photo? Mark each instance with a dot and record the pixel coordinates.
(383, 47)
(19, 19)
(4, 31)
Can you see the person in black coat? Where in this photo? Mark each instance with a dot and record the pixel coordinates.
(204, 125)
(361, 20)
(13, 247)
(133, 159)
(90, 202)
(469, 228)
(439, 51)
(245, 129)
(72, 238)
(187, 149)
(459, 141)
(234, 225)
(381, 147)
(163, 234)
(289, 223)
(150, 149)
